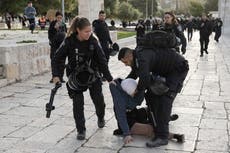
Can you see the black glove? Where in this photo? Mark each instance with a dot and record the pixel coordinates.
(183, 50)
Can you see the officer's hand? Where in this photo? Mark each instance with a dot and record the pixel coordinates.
(128, 139)
(183, 50)
(56, 80)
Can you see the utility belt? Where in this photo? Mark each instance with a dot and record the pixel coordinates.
(158, 85)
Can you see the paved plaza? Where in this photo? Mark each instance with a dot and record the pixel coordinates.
(203, 107)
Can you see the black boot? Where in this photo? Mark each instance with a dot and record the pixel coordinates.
(101, 122)
(81, 135)
(174, 117)
(117, 132)
(156, 142)
(179, 137)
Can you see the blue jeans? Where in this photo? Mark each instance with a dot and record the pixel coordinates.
(122, 101)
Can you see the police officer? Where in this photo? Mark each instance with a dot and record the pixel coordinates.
(190, 26)
(166, 63)
(56, 34)
(205, 28)
(171, 25)
(102, 32)
(217, 28)
(140, 29)
(84, 53)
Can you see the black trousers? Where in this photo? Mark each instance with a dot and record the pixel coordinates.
(32, 24)
(203, 44)
(161, 106)
(105, 47)
(78, 104)
(190, 34)
(217, 34)
(53, 50)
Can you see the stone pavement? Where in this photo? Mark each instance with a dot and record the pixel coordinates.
(203, 107)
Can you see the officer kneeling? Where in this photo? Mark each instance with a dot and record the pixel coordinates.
(146, 62)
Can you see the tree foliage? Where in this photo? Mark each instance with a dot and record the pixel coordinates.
(111, 8)
(42, 6)
(126, 12)
(12, 6)
(211, 5)
(141, 6)
(196, 8)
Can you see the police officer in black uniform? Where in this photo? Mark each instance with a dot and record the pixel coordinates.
(205, 27)
(140, 29)
(85, 60)
(171, 25)
(166, 63)
(217, 28)
(102, 31)
(56, 34)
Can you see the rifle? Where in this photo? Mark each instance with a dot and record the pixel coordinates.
(49, 106)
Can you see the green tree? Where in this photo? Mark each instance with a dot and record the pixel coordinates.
(126, 12)
(42, 6)
(196, 8)
(211, 5)
(111, 8)
(141, 6)
(12, 6)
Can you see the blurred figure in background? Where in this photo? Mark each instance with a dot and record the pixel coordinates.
(42, 22)
(217, 29)
(56, 35)
(140, 29)
(30, 13)
(205, 28)
(171, 25)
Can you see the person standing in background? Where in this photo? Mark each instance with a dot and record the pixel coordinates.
(101, 29)
(205, 28)
(217, 28)
(56, 35)
(30, 13)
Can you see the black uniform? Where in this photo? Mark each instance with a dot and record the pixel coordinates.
(166, 63)
(140, 29)
(217, 28)
(205, 28)
(189, 27)
(91, 51)
(178, 30)
(56, 36)
(102, 32)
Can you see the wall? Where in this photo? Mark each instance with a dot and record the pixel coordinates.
(23, 61)
(224, 11)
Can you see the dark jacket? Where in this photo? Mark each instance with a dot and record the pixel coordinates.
(102, 31)
(88, 50)
(190, 25)
(159, 62)
(205, 28)
(178, 30)
(53, 32)
(140, 29)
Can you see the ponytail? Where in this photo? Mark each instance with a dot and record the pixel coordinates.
(78, 22)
